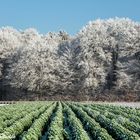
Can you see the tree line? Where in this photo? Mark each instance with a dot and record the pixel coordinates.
(103, 55)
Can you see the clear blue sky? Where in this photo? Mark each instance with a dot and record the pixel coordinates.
(69, 15)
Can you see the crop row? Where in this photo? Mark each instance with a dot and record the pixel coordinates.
(68, 121)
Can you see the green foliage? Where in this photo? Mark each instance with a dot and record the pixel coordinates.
(55, 131)
(73, 123)
(91, 125)
(68, 121)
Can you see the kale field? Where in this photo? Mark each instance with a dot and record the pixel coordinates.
(68, 121)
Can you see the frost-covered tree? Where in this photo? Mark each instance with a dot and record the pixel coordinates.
(108, 47)
(65, 71)
(124, 35)
(33, 69)
(132, 66)
(105, 54)
(95, 59)
(9, 43)
(42, 65)
(9, 40)
(30, 37)
(33, 65)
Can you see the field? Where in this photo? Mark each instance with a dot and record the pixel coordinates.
(68, 121)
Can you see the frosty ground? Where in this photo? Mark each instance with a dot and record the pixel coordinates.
(128, 104)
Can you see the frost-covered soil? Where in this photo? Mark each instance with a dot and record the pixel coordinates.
(3, 104)
(129, 104)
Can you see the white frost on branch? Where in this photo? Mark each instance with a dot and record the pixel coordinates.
(103, 55)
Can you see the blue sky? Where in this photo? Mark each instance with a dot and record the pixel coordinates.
(68, 15)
